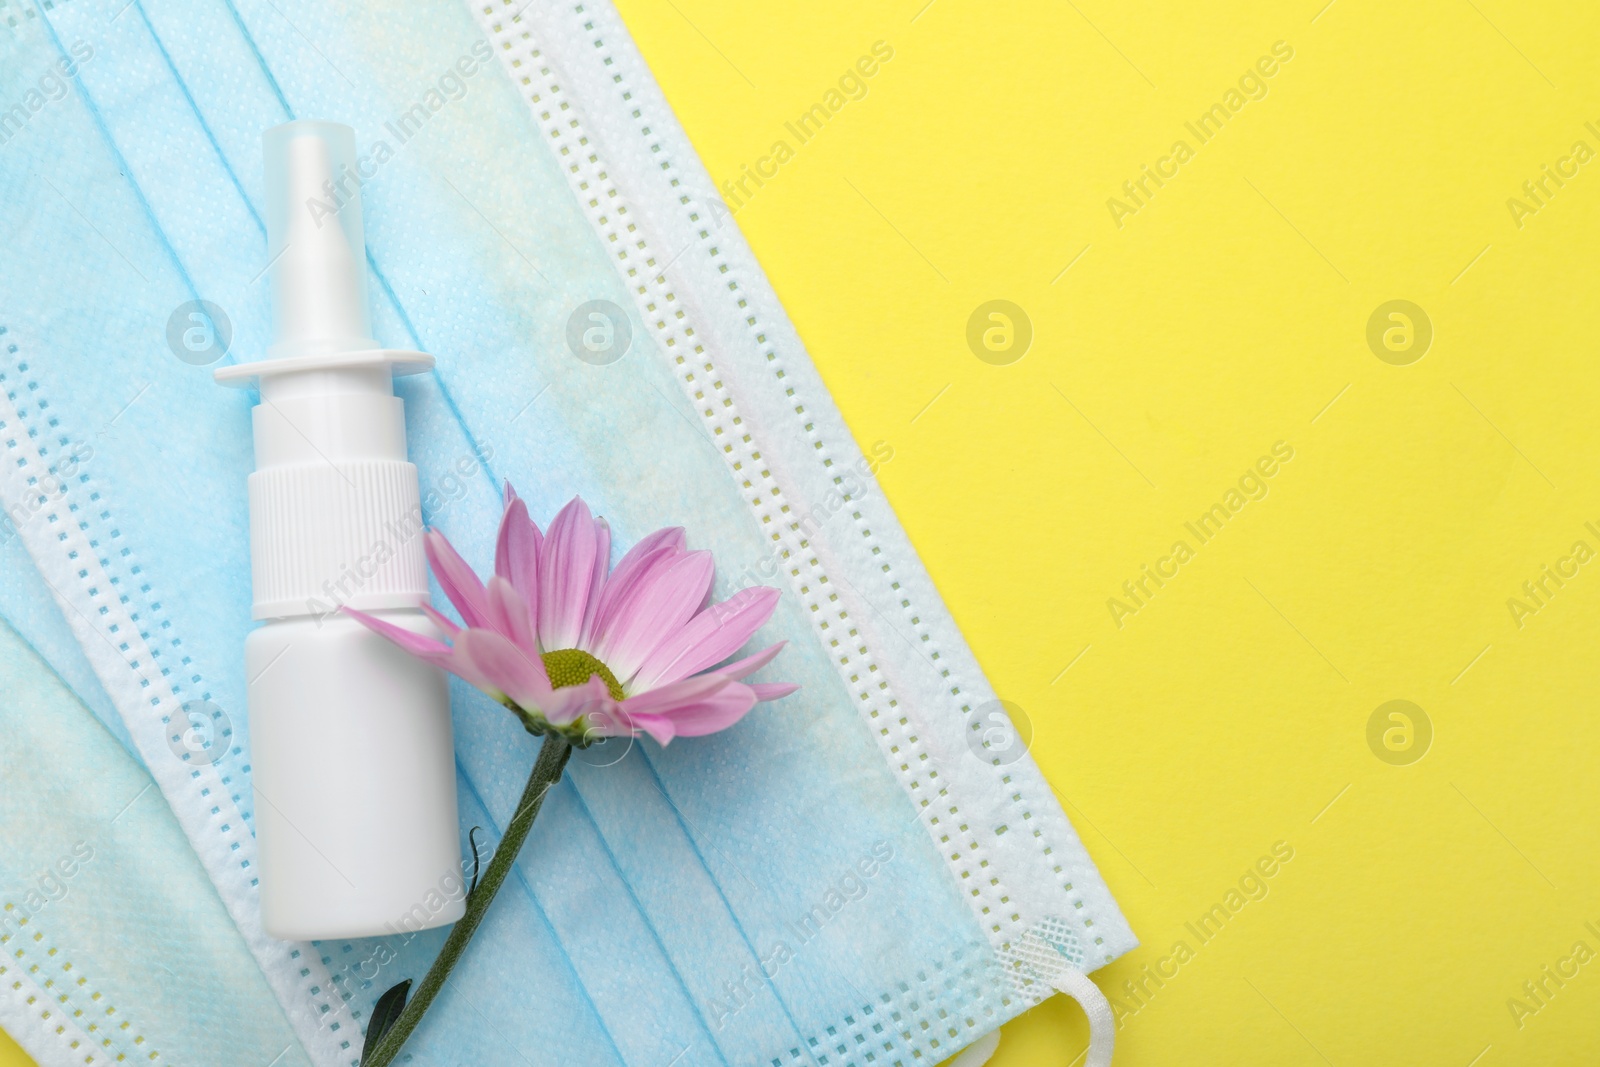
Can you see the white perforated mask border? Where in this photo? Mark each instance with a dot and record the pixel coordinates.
(619, 169)
(54, 1010)
(115, 615)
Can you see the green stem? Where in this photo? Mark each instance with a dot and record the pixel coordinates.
(546, 773)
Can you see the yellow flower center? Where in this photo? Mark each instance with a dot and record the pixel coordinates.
(574, 666)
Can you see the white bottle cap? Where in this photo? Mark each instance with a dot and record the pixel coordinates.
(332, 480)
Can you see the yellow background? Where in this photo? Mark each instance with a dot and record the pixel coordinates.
(1228, 314)
(1220, 319)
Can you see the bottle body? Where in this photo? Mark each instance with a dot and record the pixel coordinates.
(354, 776)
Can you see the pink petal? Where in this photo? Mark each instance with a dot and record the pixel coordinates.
(663, 700)
(672, 537)
(495, 659)
(602, 560)
(621, 589)
(656, 551)
(608, 721)
(425, 648)
(773, 690)
(419, 645)
(657, 726)
(750, 664)
(457, 580)
(705, 714)
(566, 705)
(710, 637)
(448, 625)
(692, 707)
(511, 617)
(655, 609)
(566, 572)
(516, 550)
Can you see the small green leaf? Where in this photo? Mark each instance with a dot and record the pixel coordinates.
(384, 1014)
(473, 838)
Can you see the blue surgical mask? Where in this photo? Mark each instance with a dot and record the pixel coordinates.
(871, 870)
(91, 858)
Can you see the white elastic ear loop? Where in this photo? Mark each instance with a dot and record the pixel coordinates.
(979, 1052)
(1102, 1026)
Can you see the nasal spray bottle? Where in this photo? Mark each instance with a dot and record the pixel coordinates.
(351, 751)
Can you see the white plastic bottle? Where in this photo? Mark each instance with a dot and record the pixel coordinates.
(351, 748)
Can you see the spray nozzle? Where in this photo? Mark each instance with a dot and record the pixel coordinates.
(317, 260)
(315, 243)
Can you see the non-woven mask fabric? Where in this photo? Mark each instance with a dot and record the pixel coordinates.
(856, 875)
(90, 858)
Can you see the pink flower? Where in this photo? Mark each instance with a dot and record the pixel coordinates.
(570, 647)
